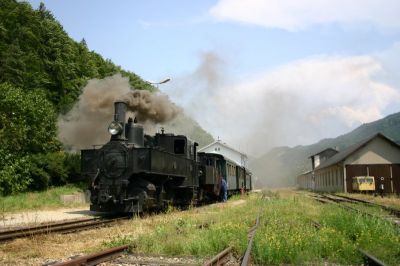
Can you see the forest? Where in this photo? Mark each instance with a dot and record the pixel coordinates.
(42, 73)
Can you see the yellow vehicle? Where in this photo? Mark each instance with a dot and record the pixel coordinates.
(363, 183)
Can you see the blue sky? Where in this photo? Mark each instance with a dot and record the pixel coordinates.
(292, 72)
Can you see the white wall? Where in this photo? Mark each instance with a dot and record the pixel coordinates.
(217, 147)
(378, 151)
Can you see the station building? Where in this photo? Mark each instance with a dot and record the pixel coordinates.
(332, 171)
(222, 148)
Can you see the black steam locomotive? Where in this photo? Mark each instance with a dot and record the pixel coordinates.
(134, 172)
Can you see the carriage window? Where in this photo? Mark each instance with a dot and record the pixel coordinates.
(179, 146)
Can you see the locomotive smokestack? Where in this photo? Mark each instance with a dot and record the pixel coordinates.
(119, 121)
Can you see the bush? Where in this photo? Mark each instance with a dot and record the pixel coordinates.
(14, 174)
(72, 164)
(37, 171)
(27, 128)
(48, 170)
(27, 122)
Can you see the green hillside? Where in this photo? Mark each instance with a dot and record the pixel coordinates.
(36, 53)
(42, 73)
(280, 166)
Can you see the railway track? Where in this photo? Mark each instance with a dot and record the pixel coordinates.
(221, 258)
(327, 198)
(226, 255)
(120, 256)
(60, 227)
(96, 258)
(369, 259)
(393, 211)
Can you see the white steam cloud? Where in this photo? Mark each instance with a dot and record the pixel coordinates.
(299, 14)
(298, 103)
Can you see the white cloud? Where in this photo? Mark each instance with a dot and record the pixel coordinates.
(298, 103)
(295, 15)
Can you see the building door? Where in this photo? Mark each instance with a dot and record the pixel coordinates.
(396, 178)
(354, 170)
(381, 172)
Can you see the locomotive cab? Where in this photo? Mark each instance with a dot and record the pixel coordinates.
(176, 144)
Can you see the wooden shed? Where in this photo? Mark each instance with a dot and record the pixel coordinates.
(376, 156)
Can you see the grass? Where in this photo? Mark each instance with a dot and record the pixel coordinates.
(374, 210)
(285, 235)
(391, 200)
(195, 233)
(375, 235)
(38, 200)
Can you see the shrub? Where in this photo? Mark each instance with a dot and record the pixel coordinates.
(28, 122)
(72, 164)
(47, 170)
(14, 175)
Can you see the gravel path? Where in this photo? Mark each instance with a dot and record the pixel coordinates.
(25, 218)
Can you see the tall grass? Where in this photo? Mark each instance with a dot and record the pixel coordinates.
(288, 237)
(195, 233)
(375, 235)
(285, 234)
(49, 198)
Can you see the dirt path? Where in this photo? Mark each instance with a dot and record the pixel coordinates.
(41, 216)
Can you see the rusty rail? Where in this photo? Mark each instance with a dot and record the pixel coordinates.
(62, 227)
(221, 258)
(338, 200)
(96, 258)
(392, 210)
(252, 233)
(224, 256)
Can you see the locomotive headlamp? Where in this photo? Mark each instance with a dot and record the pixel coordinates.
(115, 128)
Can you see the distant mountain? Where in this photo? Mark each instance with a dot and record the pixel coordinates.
(280, 166)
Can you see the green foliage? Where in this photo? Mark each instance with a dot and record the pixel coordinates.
(42, 73)
(286, 234)
(49, 198)
(47, 170)
(375, 235)
(30, 156)
(72, 164)
(36, 52)
(14, 175)
(194, 233)
(28, 121)
(28, 127)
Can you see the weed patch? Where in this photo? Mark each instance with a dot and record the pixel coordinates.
(49, 198)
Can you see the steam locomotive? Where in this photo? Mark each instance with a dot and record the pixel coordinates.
(134, 172)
